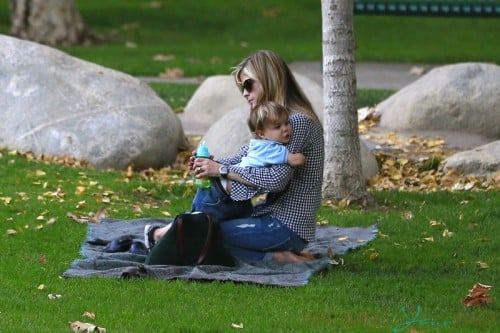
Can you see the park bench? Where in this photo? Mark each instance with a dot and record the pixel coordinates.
(466, 8)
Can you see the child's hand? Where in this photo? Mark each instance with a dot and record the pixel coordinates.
(296, 159)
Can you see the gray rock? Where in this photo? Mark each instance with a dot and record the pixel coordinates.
(218, 95)
(55, 104)
(230, 132)
(218, 111)
(481, 161)
(461, 97)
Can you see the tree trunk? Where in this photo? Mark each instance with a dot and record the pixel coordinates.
(343, 175)
(51, 22)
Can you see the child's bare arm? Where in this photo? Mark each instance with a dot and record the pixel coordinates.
(296, 159)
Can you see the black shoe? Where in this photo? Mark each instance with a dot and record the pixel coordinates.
(138, 248)
(121, 244)
(98, 241)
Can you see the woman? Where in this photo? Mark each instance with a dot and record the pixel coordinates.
(280, 227)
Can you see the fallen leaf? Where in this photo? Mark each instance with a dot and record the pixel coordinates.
(80, 327)
(374, 256)
(433, 223)
(23, 196)
(130, 45)
(11, 232)
(482, 265)
(90, 315)
(407, 215)
(77, 218)
(417, 70)
(41, 287)
(81, 204)
(163, 57)
(155, 4)
(80, 190)
(130, 172)
(172, 73)
(344, 203)
(101, 214)
(381, 234)
(240, 325)
(131, 26)
(6, 200)
(478, 295)
(447, 233)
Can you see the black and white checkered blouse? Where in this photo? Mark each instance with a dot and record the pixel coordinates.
(293, 194)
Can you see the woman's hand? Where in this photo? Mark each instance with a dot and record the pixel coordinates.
(204, 167)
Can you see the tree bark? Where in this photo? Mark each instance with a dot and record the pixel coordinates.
(51, 22)
(343, 175)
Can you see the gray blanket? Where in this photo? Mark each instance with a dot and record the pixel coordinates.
(96, 263)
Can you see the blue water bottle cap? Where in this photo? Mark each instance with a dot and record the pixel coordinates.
(202, 151)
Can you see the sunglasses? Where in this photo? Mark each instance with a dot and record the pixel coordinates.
(247, 85)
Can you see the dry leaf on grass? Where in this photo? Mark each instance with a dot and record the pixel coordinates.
(88, 314)
(79, 327)
(234, 325)
(172, 73)
(91, 218)
(482, 265)
(11, 232)
(478, 295)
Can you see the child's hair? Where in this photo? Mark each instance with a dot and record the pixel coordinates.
(267, 114)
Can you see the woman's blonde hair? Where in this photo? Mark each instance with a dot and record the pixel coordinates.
(267, 114)
(277, 80)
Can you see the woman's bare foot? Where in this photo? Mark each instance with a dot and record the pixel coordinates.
(289, 256)
(308, 255)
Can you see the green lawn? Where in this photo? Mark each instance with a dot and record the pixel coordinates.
(432, 247)
(210, 37)
(417, 264)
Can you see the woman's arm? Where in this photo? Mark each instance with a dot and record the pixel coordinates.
(235, 159)
(276, 177)
(247, 181)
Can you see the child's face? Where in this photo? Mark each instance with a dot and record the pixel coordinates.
(280, 132)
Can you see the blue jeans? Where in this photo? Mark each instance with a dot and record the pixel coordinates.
(218, 204)
(251, 238)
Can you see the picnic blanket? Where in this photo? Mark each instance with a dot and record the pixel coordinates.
(96, 263)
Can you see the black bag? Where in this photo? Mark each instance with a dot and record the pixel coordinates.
(193, 239)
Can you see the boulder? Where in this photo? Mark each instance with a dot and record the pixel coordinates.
(55, 104)
(218, 95)
(460, 97)
(230, 132)
(481, 161)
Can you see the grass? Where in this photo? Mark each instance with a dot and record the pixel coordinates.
(410, 266)
(210, 37)
(416, 266)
